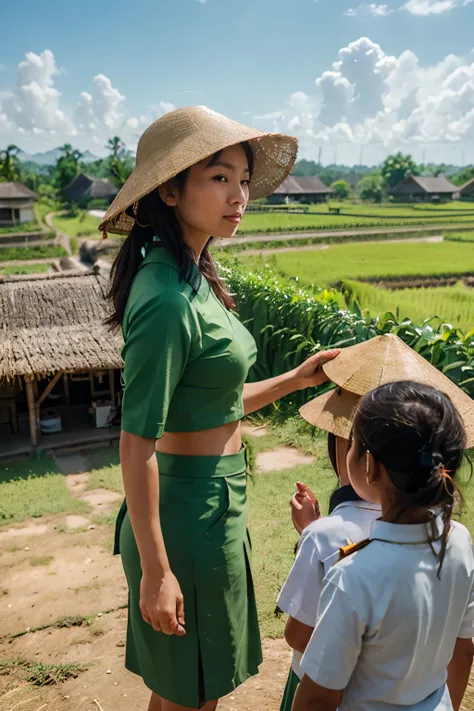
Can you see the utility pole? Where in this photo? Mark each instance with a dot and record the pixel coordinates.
(320, 153)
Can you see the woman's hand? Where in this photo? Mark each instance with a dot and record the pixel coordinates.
(310, 373)
(304, 507)
(161, 603)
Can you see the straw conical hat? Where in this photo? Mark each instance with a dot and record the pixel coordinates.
(333, 412)
(385, 359)
(186, 136)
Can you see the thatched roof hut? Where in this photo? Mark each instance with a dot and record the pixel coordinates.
(54, 323)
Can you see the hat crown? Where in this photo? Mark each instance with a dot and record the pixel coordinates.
(174, 127)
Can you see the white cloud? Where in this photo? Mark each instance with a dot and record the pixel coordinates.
(33, 115)
(371, 9)
(430, 7)
(34, 106)
(371, 98)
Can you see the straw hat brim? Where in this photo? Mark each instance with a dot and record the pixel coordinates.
(386, 359)
(274, 157)
(332, 412)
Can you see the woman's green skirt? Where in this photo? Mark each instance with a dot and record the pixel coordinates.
(203, 519)
(290, 691)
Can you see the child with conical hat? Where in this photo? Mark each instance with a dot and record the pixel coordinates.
(360, 369)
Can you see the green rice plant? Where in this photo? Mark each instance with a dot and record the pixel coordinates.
(459, 237)
(450, 304)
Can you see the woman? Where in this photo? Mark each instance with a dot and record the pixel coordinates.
(192, 631)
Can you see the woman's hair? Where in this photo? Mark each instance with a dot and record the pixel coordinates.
(332, 451)
(154, 218)
(417, 434)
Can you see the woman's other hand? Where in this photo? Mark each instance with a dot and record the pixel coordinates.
(161, 603)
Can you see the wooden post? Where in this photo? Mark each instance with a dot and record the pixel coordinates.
(32, 411)
(112, 386)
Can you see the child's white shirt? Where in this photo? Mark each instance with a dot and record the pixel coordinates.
(318, 550)
(387, 625)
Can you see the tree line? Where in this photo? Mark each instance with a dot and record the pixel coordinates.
(371, 184)
(49, 181)
(374, 184)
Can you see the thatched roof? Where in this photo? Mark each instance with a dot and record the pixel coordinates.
(467, 189)
(428, 184)
(16, 191)
(54, 322)
(303, 185)
(84, 187)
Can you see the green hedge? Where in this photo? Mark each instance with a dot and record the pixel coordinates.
(289, 325)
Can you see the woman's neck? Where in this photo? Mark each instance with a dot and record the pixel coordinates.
(196, 240)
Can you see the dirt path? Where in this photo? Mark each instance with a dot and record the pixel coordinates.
(61, 238)
(323, 234)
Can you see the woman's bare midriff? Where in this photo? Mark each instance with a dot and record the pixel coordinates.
(218, 441)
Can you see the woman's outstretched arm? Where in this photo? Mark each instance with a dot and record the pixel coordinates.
(308, 375)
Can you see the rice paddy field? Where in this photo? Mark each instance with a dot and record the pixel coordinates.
(357, 264)
(353, 216)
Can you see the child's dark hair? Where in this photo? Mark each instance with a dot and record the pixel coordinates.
(153, 217)
(417, 434)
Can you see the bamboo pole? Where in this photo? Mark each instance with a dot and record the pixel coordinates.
(32, 411)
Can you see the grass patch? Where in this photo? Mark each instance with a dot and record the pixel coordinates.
(34, 488)
(39, 252)
(26, 269)
(273, 535)
(78, 225)
(368, 261)
(40, 674)
(105, 469)
(42, 560)
(23, 227)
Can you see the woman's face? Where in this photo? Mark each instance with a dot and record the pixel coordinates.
(214, 196)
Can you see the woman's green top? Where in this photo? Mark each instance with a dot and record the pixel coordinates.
(186, 356)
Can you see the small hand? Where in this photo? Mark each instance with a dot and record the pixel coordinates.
(310, 373)
(304, 507)
(161, 603)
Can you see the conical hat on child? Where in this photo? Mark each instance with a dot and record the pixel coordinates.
(333, 412)
(386, 359)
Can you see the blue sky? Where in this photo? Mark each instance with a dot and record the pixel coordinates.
(88, 70)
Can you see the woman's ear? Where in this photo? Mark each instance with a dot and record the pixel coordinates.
(169, 193)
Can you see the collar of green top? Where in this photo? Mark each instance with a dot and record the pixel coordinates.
(156, 253)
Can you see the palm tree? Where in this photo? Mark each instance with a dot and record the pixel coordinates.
(69, 152)
(10, 164)
(116, 147)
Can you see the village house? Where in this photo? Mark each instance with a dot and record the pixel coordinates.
(17, 204)
(309, 189)
(466, 191)
(415, 188)
(84, 189)
(59, 364)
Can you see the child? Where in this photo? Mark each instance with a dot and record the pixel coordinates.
(396, 618)
(350, 518)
